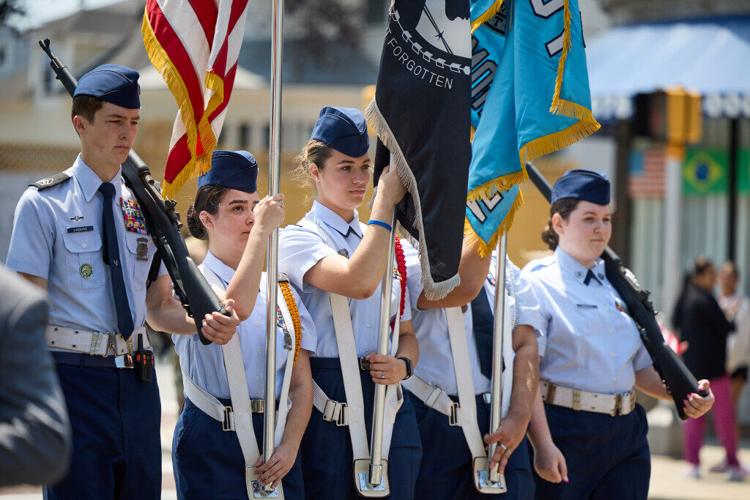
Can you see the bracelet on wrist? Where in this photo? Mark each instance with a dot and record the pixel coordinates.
(376, 222)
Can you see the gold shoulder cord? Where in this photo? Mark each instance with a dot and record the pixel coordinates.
(286, 291)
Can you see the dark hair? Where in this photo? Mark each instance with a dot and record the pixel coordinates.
(700, 266)
(85, 106)
(564, 207)
(207, 198)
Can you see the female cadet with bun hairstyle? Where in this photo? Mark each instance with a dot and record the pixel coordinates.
(328, 255)
(208, 456)
(592, 358)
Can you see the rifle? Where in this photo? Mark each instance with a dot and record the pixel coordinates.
(162, 221)
(673, 372)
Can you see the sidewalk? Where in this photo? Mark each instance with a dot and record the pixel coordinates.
(668, 481)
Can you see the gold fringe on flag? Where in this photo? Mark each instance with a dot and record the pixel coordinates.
(485, 249)
(486, 15)
(198, 163)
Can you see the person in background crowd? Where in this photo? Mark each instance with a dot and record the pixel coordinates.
(736, 306)
(702, 324)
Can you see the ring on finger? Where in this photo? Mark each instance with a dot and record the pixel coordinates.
(505, 448)
(382, 375)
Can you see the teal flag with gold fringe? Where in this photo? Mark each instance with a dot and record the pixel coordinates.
(530, 97)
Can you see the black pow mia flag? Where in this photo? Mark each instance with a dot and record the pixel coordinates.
(421, 116)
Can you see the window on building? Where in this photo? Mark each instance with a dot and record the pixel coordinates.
(244, 136)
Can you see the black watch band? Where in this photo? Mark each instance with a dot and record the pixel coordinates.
(407, 362)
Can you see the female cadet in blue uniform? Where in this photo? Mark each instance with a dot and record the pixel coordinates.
(81, 236)
(330, 252)
(592, 356)
(208, 460)
(446, 470)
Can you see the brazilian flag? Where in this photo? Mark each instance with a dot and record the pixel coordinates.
(744, 172)
(705, 172)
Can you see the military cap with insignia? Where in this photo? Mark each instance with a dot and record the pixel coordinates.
(111, 83)
(584, 185)
(233, 170)
(343, 129)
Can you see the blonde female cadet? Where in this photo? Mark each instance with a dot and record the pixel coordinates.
(337, 265)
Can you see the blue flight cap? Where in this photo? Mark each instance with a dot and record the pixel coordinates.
(232, 170)
(111, 83)
(582, 185)
(343, 129)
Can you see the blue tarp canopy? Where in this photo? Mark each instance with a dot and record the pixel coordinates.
(710, 56)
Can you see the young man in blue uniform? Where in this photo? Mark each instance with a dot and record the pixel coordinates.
(81, 236)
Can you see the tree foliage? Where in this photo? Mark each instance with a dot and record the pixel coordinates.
(10, 8)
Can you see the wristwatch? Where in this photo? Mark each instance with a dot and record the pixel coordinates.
(407, 362)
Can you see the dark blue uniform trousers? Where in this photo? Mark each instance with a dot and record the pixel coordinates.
(447, 465)
(116, 446)
(607, 457)
(208, 461)
(327, 450)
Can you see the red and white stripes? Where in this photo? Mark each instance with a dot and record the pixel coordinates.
(194, 44)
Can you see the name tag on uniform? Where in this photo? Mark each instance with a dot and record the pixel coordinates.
(586, 306)
(80, 229)
(141, 250)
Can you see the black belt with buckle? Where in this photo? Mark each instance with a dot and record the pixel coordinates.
(92, 361)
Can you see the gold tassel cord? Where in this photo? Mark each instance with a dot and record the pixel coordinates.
(286, 291)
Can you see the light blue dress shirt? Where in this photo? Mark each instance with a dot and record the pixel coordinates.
(57, 237)
(590, 343)
(205, 363)
(431, 327)
(300, 248)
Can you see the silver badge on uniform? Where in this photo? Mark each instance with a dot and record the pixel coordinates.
(344, 252)
(141, 251)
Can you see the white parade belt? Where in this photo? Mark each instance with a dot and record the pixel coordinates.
(608, 404)
(91, 342)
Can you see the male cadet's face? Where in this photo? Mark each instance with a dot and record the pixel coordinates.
(107, 139)
(587, 231)
(343, 180)
(231, 224)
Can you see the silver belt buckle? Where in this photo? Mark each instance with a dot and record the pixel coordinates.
(258, 405)
(124, 361)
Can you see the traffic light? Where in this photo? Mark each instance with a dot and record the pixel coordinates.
(673, 116)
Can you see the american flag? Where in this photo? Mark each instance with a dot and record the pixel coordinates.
(194, 44)
(647, 173)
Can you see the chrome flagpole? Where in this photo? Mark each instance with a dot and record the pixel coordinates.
(495, 478)
(372, 478)
(274, 168)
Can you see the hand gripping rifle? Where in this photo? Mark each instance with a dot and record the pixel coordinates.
(163, 223)
(673, 372)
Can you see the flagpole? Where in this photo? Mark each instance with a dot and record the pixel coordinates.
(497, 354)
(376, 443)
(274, 155)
